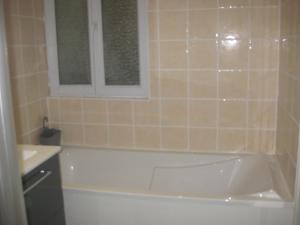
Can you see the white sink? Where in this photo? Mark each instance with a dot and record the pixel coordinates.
(34, 155)
(27, 154)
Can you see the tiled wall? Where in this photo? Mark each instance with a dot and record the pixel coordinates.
(289, 89)
(28, 65)
(214, 83)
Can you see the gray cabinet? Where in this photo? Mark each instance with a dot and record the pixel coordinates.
(43, 194)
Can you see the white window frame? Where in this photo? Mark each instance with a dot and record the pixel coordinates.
(97, 87)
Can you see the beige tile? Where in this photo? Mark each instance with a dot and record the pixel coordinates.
(94, 111)
(233, 3)
(296, 101)
(26, 8)
(54, 110)
(153, 55)
(293, 132)
(27, 31)
(21, 120)
(262, 114)
(40, 34)
(35, 118)
(232, 140)
(12, 25)
(11, 7)
(173, 55)
(233, 114)
(203, 113)
(234, 54)
(233, 84)
(264, 54)
(15, 61)
(174, 112)
(153, 29)
(265, 22)
(120, 112)
(154, 83)
(297, 25)
(18, 91)
(43, 85)
(71, 110)
(263, 85)
(172, 25)
(30, 60)
(173, 4)
(203, 139)
(24, 139)
(265, 2)
(32, 88)
(152, 5)
(295, 56)
(35, 137)
(203, 23)
(38, 8)
(174, 138)
(146, 112)
(72, 134)
(203, 54)
(147, 137)
(203, 84)
(234, 23)
(291, 176)
(44, 109)
(173, 84)
(95, 135)
(203, 4)
(121, 136)
(261, 141)
(41, 54)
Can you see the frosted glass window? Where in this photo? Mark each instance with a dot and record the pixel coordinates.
(73, 42)
(97, 48)
(120, 42)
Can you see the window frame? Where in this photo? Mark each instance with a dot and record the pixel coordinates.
(97, 88)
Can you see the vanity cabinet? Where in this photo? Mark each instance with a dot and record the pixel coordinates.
(43, 194)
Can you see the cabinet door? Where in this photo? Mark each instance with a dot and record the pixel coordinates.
(43, 194)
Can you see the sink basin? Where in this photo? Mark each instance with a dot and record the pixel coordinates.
(27, 154)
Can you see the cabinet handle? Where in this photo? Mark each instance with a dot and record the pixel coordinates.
(46, 174)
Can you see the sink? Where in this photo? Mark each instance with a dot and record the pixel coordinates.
(27, 154)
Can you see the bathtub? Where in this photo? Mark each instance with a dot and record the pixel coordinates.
(120, 187)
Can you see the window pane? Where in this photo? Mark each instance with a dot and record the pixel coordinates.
(73, 41)
(120, 37)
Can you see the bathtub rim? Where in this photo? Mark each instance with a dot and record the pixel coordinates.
(242, 201)
(163, 151)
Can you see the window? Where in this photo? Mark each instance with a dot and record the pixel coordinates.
(97, 47)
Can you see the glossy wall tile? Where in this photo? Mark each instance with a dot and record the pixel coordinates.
(289, 90)
(214, 77)
(28, 65)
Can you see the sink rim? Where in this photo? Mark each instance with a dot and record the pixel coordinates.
(28, 154)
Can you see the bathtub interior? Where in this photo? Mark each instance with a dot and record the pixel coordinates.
(180, 174)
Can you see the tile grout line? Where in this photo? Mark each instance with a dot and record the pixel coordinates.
(217, 41)
(170, 126)
(23, 71)
(188, 147)
(83, 112)
(278, 74)
(183, 98)
(159, 74)
(132, 105)
(107, 121)
(248, 80)
(219, 7)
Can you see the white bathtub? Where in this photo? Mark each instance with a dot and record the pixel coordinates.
(118, 187)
